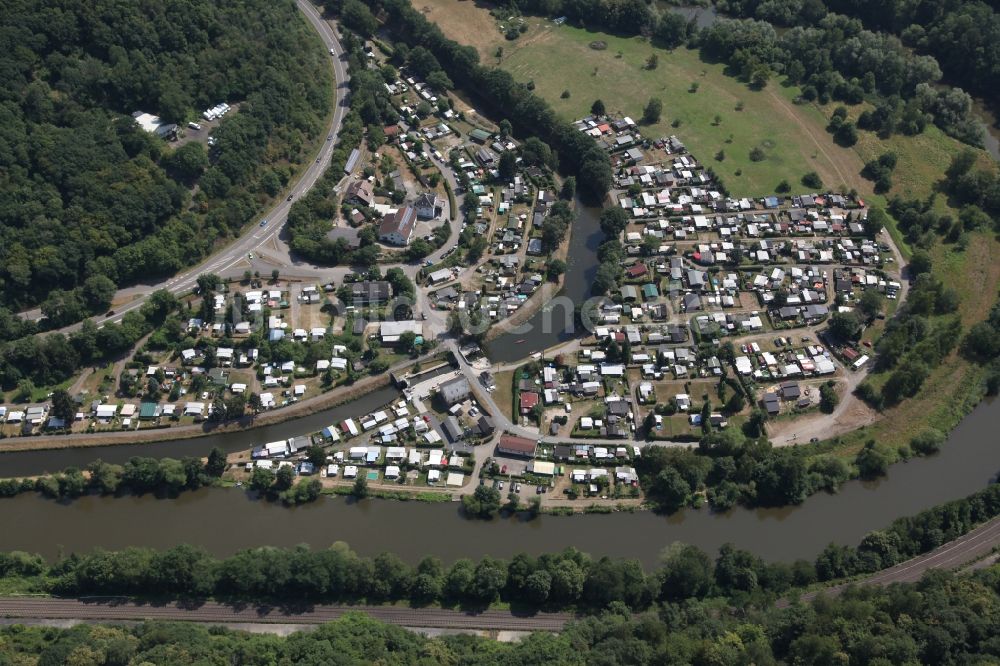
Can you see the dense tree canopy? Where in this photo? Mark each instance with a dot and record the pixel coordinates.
(943, 619)
(86, 193)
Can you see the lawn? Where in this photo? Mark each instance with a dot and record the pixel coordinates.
(504, 394)
(559, 58)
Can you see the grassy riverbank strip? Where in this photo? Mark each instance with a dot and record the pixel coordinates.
(399, 495)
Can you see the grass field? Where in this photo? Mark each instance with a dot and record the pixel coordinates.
(504, 394)
(792, 139)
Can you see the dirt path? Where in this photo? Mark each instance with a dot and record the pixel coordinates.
(845, 173)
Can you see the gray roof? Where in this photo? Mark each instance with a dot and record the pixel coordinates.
(452, 429)
(455, 389)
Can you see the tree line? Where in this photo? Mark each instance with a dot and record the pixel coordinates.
(945, 618)
(963, 36)
(90, 201)
(832, 56)
(736, 466)
(923, 332)
(43, 360)
(139, 475)
(310, 219)
(569, 579)
(981, 345)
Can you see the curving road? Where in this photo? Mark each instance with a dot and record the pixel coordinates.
(255, 236)
(120, 609)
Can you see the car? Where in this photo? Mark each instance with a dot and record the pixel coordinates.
(332, 52)
(109, 313)
(867, 343)
(503, 470)
(329, 138)
(813, 440)
(538, 490)
(317, 160)
(263, 222)
(501, 485)
(289, 197)
(423, 315)
(194, 126)
(517, 487)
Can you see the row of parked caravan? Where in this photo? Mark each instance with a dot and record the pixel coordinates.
(216, 111)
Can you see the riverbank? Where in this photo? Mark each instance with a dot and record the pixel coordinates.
(248, 424)
(531, 307)
(412, 529)
(537, 300)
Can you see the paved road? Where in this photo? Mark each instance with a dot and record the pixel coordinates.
(951, 555)
(255, 236)
(115, 608)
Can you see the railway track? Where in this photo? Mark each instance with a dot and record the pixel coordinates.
(954, 554)
(118, 609)
(951, 555)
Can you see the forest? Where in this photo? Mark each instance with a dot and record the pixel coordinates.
(943, 619)
(963, 36)
(89, 201)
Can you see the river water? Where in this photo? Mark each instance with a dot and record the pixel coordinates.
(223, 521)
(553, 323)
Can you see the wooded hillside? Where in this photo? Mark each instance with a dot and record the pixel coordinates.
(88, 200)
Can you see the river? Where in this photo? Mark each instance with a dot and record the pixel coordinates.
(223, 521)
(553, 323)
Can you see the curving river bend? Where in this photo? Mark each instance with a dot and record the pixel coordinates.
(223, 521)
